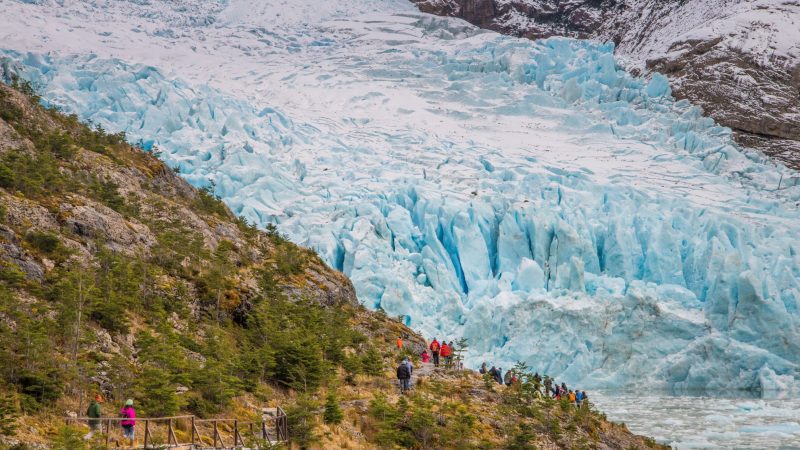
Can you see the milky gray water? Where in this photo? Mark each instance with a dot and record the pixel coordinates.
(707, 420)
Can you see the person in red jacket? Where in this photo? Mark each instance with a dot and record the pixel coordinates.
(446, 352)
(435, 347)
(426, 357)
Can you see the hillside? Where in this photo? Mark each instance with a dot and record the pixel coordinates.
(739, 60)
(119, 278)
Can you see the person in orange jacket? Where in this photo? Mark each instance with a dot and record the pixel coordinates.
(446, 354)
(435, 347)
(400, 343)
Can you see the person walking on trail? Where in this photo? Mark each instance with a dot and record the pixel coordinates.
(399, 342)
(435, 348)
(507, 378)
(584, 398)
(446, 352)
(548, 384)
(578, 398)
(404, 375)
(426, 357)
(572, 398)
(483, 369)
(128, 422)
(94, 412)
(498, 376)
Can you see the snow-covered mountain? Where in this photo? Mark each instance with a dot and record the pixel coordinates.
(738, 60)
(532, 196)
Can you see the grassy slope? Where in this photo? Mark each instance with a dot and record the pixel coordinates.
(117, 276)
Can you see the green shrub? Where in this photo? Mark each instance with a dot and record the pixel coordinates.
(372, 362)
(298, 363)
(46, 243)
(156, 393)
(32, 176)
(208, 203)
(107, 193)
(300, 421)
(352, 367)
(9, 412)
(40, 387)
(11, 275)
(333, 413)
(69, 438)
(111, 315)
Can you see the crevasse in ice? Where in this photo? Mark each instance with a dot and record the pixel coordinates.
(626, 240)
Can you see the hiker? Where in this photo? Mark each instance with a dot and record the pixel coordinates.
(128, 423)
(446, 352)
(404, 375)
(578, 398)
(585, 398)
(483, 369)
(493, 372)
(426, 357)
(507, 378)
(537, 382)
(564, 387)
(94, 412)
(435, 347)
(499, 375)
(400, 343)
(514, 379)
(571, 397)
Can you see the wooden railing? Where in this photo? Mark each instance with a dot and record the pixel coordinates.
(218, 434)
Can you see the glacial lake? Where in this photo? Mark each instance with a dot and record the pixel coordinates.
(707, 420)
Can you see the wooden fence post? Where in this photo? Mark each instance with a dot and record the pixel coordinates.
(146, 432)
(216, 432)
(193, 430)
(171, 438)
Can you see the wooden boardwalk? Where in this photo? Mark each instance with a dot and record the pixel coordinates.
(192, 433)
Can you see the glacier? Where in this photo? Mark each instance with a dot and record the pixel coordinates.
(533, 197)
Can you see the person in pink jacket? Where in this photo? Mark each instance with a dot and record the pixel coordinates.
(426, 357)
(128, 423)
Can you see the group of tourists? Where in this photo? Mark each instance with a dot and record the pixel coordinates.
(445, 350)
(542, 386)
(551, 388)
(127, 413)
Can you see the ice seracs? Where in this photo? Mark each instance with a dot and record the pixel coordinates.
(529, 196)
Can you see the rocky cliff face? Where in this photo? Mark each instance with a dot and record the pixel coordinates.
(740, 61)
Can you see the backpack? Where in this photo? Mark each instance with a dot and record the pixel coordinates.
(403, 372)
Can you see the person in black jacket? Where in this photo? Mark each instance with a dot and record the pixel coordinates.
(404, 375)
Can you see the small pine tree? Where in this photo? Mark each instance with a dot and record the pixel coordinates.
(372, 362)
(521, 439)
(69, 438)
(300, 417)
(333, 413)
(8, 415)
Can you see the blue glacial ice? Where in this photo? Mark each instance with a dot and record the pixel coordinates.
(624, 240)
